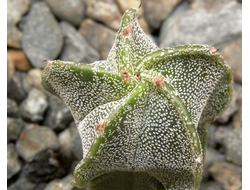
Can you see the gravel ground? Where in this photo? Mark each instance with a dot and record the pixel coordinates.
(43, 145)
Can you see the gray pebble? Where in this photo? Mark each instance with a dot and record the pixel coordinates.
(71, 143)
(14, 36)
(213, 25)
(210, 186)
(233, 106)
(60, 184)
(237, 119)
(13, 163)
(72, 11)
(109, 14)
(22, 183)
(99, 36)
(157, 10)
(58, 114)
(76, 48)
(65, 139)
(33, 80)
(42, 36)
(211, 157)
(232, 53)
(15, 10)
(14, 128)
(34, 106)
(15, 89)
(10, 68)
(76, 142)
(12, 108)
(46, 166)
(211, 129)
(233, 145)
(226, 174)
(217, 135)
(220, 134)
(35, 140)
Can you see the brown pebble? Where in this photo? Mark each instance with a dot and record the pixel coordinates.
(10, 68)
(20, 60)
(226, 174)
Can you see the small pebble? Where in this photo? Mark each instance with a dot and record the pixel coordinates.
(210, 186)
(42, 36)
(127, 4)
(14, 128)
(109, 14)
(233, 146)
(46, 166)
(10, 68)
(15, 89)
(22, 183)
(76, 48)
(234, 104)
(58, 114)
(232, 53)
(13, 163)
(211, 157)
(33, 80)
(162, 9)
(76, 142)
(237, 119)
(19, 59)
(226, 174)
(60, 184)
(15, 10)
(65, 139)
(12, 108)
(213, 25)
(35, 140)
(72, 11)
(34, 106)
(220, 134)
(97, 35)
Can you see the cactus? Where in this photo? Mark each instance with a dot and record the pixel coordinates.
(141, 113)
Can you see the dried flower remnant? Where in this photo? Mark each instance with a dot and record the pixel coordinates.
(101, 126)
(213, 51)
(127, 31)
(125, 75)
(158, 82)
(152, 104)
(49, 63)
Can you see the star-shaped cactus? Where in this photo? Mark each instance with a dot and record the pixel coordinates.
(141, 113)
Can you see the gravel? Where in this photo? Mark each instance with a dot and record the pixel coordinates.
(43, 143)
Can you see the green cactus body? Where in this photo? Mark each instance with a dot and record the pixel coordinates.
(141, 113)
